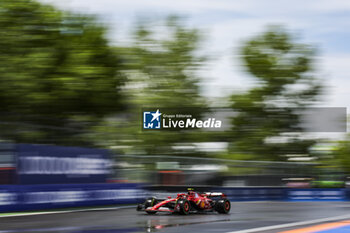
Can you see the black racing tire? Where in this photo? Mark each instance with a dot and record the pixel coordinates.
(184, 206)
(223, 206)
(150, 202)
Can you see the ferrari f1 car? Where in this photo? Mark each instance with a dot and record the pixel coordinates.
(186, 203)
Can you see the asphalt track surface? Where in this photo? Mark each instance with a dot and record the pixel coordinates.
(243, 215)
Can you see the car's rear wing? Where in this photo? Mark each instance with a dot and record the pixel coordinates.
(214, 194)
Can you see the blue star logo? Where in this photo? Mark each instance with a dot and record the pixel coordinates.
(151, 120)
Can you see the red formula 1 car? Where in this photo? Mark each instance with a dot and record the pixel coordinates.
(186, 203)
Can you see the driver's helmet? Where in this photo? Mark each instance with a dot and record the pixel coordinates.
(190, 191)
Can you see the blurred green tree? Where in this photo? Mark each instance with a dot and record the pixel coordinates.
(267, 124)
(341, 158)
(169, 67)
(161, 67)
(58, 75)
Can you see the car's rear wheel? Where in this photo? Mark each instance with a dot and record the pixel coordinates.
(223, 206)
(184, 206)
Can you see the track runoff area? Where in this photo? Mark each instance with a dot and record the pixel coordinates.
(244, 217)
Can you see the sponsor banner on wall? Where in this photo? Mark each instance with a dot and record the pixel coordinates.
(284, 194)
(45, 164)
(317, 194)
(30, 197)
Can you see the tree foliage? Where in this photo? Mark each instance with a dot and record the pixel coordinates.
(283, 69)
(161, 68)
(58, 75)
(341, 158)
(61, 82)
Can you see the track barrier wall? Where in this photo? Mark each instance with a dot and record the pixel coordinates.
(286, 194)
(318, 194)
(39, 197)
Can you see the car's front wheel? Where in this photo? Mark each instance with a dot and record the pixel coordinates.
(150, 202)
(184, 206)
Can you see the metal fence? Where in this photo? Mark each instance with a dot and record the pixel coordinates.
(182, 170)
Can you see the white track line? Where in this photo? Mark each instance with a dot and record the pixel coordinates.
(293, 224)
(65, 211)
